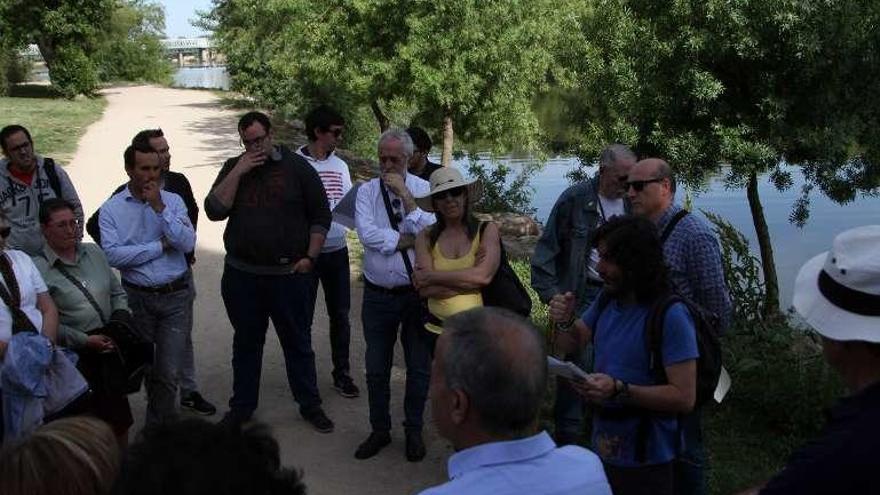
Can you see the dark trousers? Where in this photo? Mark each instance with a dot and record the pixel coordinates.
(690, 475)
(382, 314)
(250, 301)
(334, 274)
(643, 480)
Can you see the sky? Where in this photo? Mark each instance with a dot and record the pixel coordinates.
(178, 14)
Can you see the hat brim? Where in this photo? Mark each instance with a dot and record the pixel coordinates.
(474, 191)
(827, 319)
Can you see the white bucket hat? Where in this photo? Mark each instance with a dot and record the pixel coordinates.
(838, 292)
(446, 178)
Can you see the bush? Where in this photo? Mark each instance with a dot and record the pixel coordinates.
(500, 194)
(73, 72)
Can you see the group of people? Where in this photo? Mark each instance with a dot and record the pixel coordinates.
(626, 272)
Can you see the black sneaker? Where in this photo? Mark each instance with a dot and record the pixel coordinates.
(377, 441)
(197, 404)
(415, 446)
(345, 386)
(319, 420)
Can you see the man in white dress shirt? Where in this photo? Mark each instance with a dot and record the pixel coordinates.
(390, 301)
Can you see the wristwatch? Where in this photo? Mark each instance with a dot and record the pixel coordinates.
(621, 389)
(566, 326)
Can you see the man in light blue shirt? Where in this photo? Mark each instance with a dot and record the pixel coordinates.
(145, 233)
(487, 384)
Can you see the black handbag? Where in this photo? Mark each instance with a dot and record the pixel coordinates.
(506, 290)
(120, 371)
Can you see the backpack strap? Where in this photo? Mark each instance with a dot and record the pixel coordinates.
(52, 176)
(667, 231)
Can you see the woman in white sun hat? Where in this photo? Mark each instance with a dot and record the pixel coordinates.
(838, 295)
(457, 256)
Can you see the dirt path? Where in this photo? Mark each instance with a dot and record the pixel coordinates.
(201, 135)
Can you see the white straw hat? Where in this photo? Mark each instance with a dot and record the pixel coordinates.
(445, 178)
(838, 292)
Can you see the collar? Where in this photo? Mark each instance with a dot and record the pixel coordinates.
(496, 453)
(52, 257)
(667, 216)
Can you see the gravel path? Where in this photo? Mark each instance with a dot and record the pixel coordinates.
(201, 135)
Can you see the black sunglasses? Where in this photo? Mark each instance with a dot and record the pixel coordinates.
(454, 192)
(5, 231)
(639, 185)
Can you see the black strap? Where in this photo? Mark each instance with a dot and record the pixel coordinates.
(82, 288)
(393, 220)
(667, 231)
(52, 176)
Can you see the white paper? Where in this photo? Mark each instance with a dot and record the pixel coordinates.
(343, 212)
(723, 386)
(564, 369)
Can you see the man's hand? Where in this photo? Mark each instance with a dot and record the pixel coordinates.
(406, 241)
(99, 343)
(561, 307)
(396, 184)
(597, 387)
(152, 196)
(250, 160)
(304, 265)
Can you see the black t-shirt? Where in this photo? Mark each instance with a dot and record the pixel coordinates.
(428, 170)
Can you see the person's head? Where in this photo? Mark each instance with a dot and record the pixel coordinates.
(451, 198)
(838, 294)
(631, 258)
(651, 188)
(18, 147)
(155, 139)
(615, 162)
(71, 456)
(255, 131)
(59, 224)
(488, 377)
(324, 126)
(422, 143)
(395, 150)
(142, 164)
(196, 457)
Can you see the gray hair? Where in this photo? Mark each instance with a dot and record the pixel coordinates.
(400, 135)
(497, 358)
(615, 152)
(664, 171)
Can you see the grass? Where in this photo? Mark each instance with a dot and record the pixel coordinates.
(55, 123)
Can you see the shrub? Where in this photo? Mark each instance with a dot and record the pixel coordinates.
(500, 193)
(73, 72)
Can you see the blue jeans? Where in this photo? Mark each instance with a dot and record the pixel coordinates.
(690, 475)
(250, 301)
(166, 321)
(334, 274)
(382, 314)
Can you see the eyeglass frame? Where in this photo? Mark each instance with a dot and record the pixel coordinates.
(639, 185)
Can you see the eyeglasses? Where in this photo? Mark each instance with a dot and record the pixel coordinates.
(22, 146)
(5, 231)
(395, 205)
(70, 224)
(255, 141)
(639, 185)
(455, 192)
(336, 132)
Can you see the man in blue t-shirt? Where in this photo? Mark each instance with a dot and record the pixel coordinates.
(635, 430)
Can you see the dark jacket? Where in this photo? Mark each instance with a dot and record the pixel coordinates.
(277, 206)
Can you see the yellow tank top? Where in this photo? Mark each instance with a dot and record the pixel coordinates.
(444, 308)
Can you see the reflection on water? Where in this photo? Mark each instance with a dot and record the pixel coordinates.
(792, 246)
(202, 77)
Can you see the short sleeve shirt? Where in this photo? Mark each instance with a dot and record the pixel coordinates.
(621, 352)
(30, 283)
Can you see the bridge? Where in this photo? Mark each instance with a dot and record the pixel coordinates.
(202, 48)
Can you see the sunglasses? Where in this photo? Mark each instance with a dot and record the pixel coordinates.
(336, 132)
(5, 231)
(454, 193)
(639, 185)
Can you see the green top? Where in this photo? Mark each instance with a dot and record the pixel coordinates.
(76, 315)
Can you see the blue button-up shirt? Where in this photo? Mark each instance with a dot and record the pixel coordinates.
(131, 236)
(532, 465)
(694, 260)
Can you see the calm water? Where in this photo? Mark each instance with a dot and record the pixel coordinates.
(792, 246)
(202, 77)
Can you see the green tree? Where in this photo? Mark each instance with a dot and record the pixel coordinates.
(130, 48)
(65, 32)
(743, 87)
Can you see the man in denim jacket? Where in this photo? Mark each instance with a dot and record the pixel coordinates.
(563, 261)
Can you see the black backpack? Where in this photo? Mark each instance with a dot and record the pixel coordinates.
(52, 176)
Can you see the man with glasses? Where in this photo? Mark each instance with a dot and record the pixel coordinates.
(564, 263)
(419, 165)
(324, 128)
(177, 183)
(694, 259)
(387, 221)
(278, 218)
(26, 180)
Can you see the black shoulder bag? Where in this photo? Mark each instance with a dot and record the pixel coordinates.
(506, 290)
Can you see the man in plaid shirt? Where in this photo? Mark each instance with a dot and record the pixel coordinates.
(694, 260)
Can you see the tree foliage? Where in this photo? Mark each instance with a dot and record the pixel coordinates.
(130, 50)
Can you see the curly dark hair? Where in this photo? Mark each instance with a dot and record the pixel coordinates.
(195, 457)
(633, 244)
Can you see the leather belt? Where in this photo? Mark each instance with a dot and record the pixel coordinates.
(173, 286)
(393, 291)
